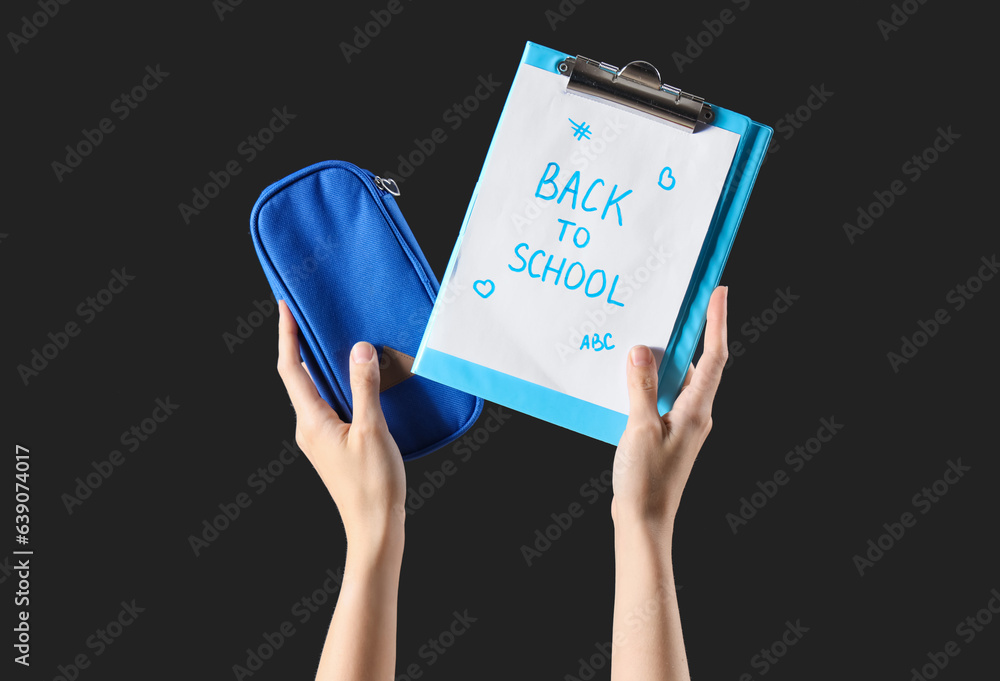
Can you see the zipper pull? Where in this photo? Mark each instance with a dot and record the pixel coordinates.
(387, 185)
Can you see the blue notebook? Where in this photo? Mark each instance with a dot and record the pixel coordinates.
(603, 217)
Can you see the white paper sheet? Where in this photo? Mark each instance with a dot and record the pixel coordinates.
(644, 194)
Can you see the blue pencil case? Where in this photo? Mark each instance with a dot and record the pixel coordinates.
(334, 245)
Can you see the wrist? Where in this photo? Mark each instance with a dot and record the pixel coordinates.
(369, 557)
(377, 540)
(644, 561)
(369, 570)
(634, 528)
(643, 516)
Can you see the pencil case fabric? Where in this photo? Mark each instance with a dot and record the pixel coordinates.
(335, 246)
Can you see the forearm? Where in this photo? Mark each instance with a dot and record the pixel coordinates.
(361, 643)
(648, 645)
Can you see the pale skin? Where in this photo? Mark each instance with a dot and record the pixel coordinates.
(361, 467)
(651, 468)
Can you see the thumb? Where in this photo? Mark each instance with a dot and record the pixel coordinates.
(642, 384)
(365, 384)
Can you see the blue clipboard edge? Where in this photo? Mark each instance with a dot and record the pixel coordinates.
(571, 412)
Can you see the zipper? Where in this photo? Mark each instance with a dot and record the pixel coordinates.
(387, 185)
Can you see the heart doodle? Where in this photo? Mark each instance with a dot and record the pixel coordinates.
(486, 284)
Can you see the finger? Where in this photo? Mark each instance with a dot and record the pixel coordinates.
(365, 384)
(301, 389)
(687, 377)
(698, 396)
(641, 371)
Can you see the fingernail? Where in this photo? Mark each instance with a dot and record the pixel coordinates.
(641, 356)
(362, 352)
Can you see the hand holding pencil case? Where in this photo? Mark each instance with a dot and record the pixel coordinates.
(335, 246)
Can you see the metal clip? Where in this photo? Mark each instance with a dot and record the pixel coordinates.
(638, 86)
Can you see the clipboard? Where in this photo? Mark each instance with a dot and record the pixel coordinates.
(637, 90)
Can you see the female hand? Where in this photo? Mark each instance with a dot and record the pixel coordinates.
(656, 453)
(358, 462)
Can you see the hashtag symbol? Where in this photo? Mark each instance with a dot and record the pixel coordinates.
(21, 539)
(581, 131)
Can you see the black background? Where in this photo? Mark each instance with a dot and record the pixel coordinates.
(826, 356)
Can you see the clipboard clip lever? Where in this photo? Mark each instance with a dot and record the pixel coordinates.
(636, 85)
